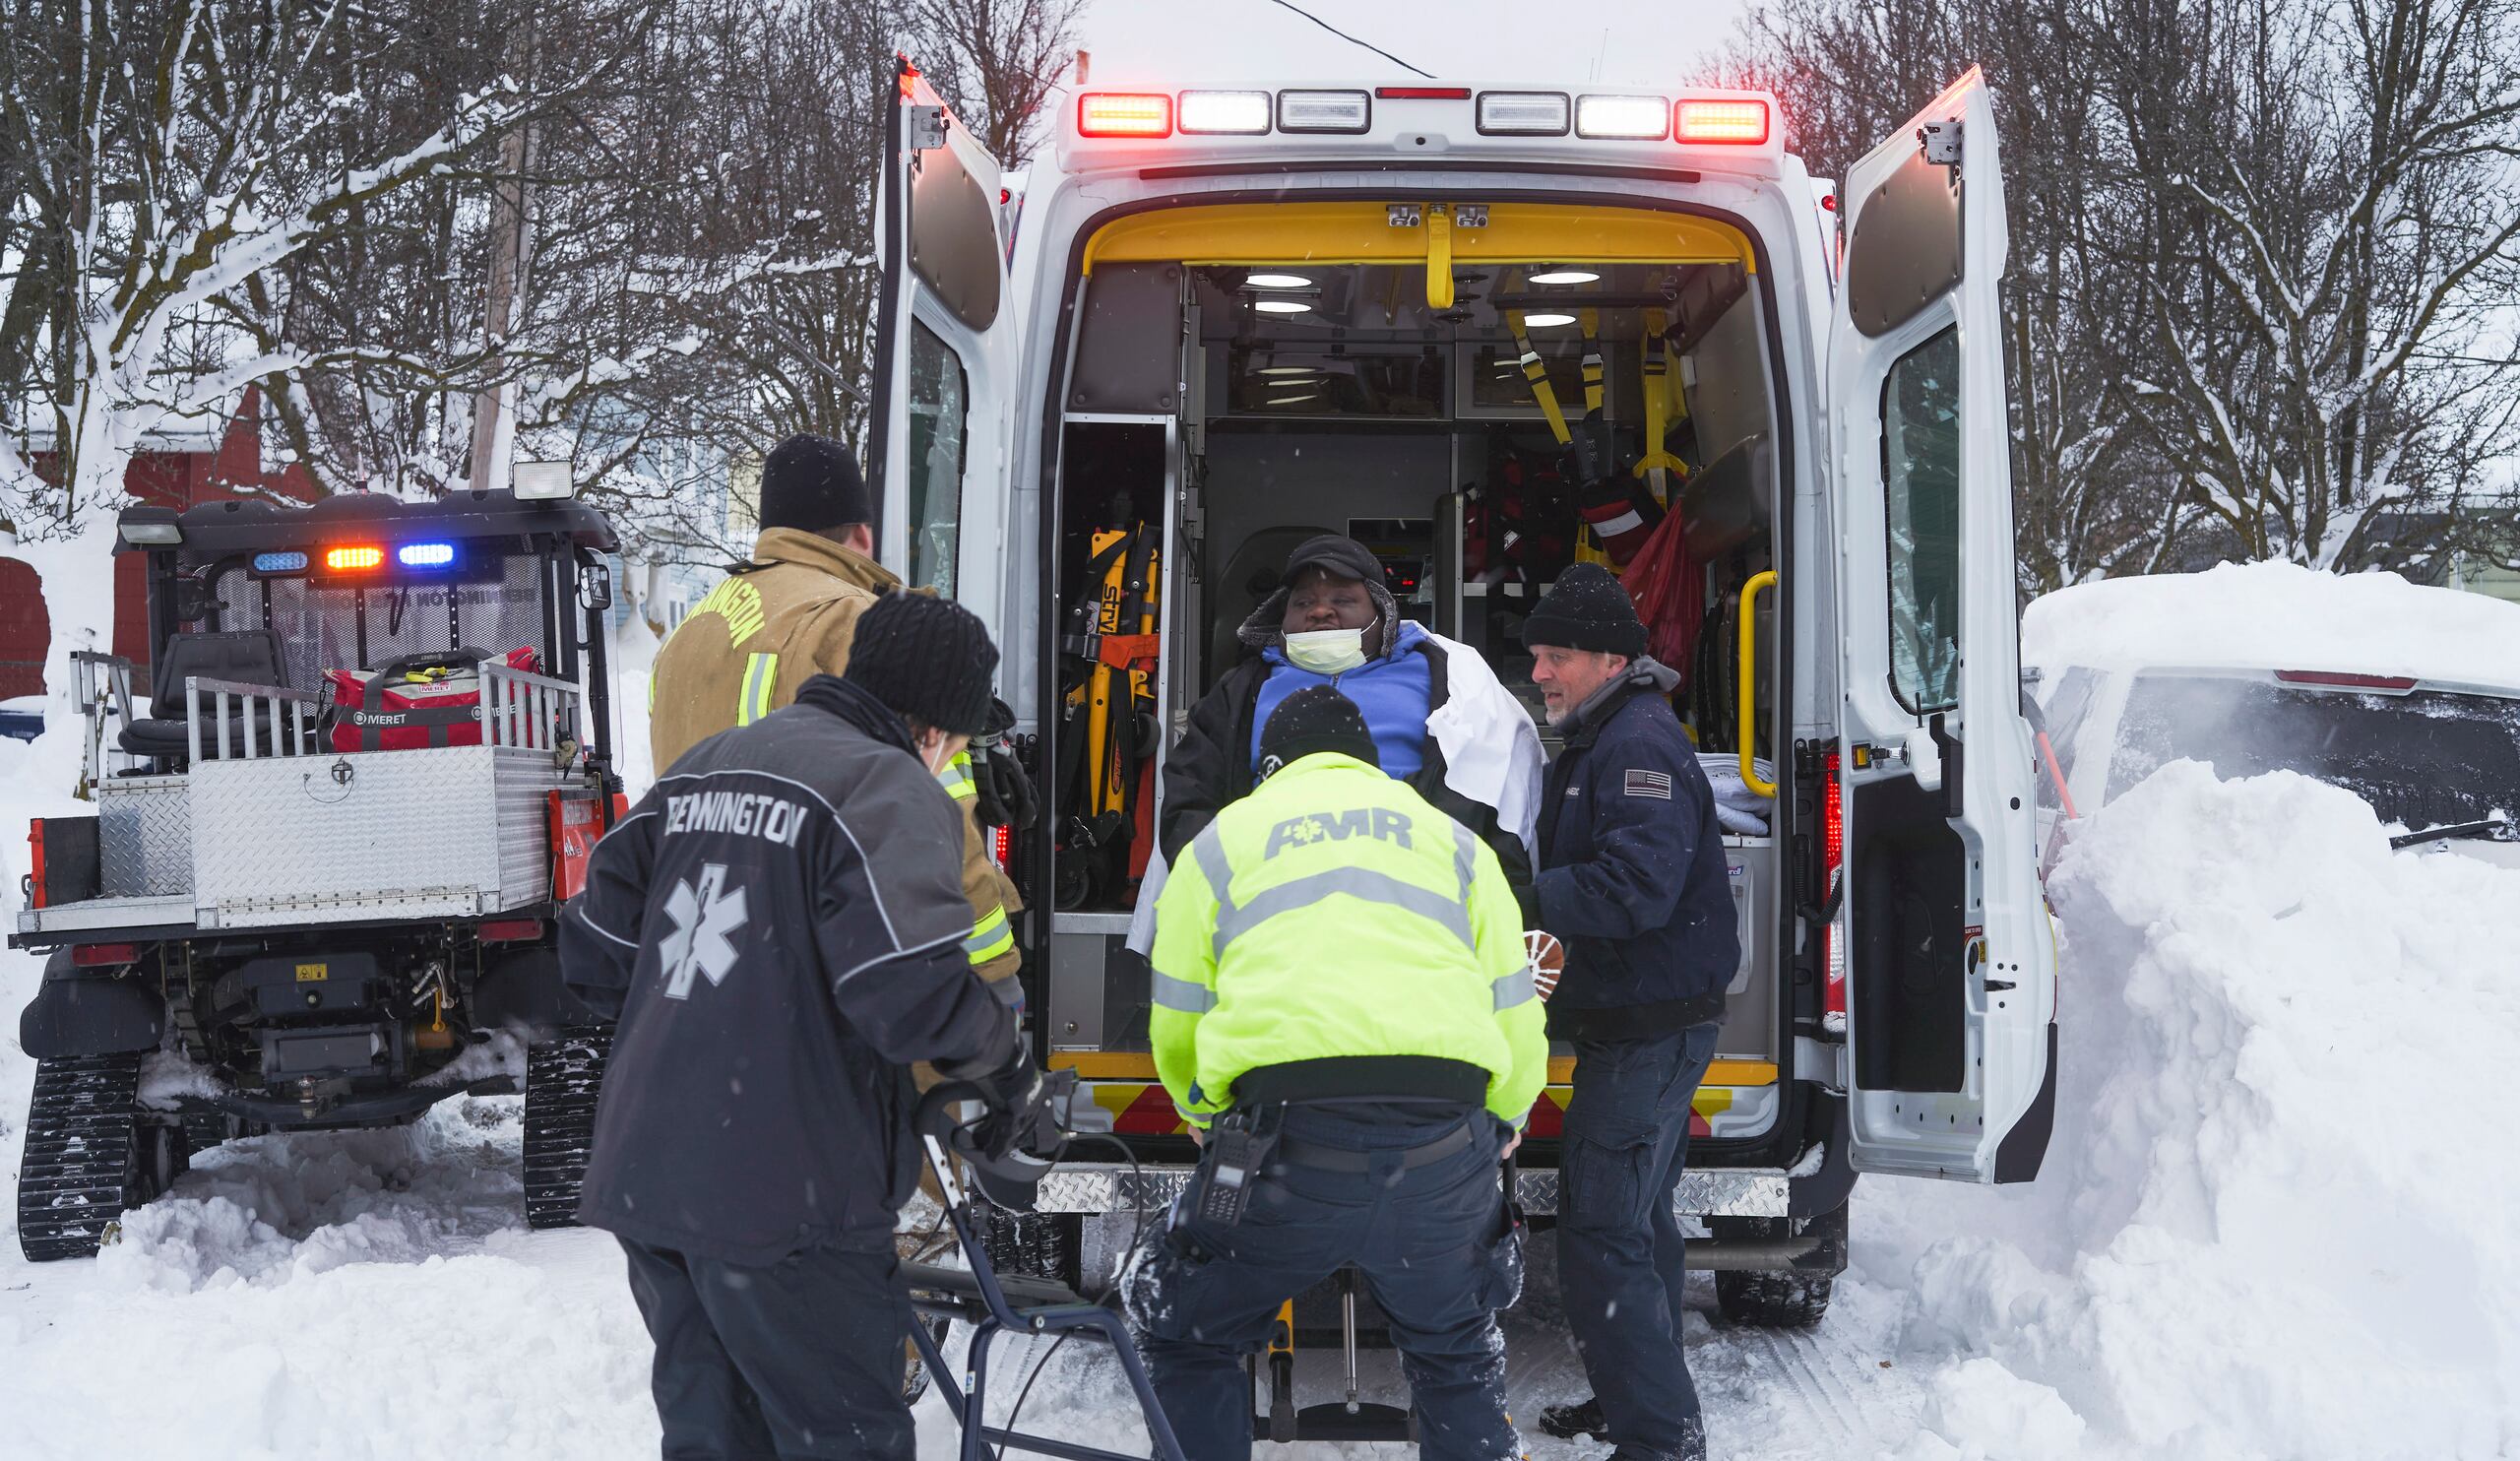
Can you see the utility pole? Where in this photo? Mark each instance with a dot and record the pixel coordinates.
(511, 247)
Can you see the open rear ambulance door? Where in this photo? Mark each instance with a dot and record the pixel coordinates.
(940, 415)
(1950, 961)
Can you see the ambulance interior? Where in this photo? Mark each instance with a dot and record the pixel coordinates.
(1338, 397)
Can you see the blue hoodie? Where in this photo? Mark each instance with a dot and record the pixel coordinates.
(1395, 691)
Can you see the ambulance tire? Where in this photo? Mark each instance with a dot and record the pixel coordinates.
(1772, 1298)
(563, 1077)
(1048, 1245)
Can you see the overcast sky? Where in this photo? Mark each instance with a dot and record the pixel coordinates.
(1638, 43)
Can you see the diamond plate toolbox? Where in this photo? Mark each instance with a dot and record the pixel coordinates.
(144, 836)
(444, 831)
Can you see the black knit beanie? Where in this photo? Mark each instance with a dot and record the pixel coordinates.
(1586, 609)
(927, 659)
(1313, 719)
(811, 483)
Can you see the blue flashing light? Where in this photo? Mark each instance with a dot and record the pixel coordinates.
(280, 562)
(424, 555)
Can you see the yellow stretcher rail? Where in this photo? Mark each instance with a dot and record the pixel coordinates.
(1746, 691)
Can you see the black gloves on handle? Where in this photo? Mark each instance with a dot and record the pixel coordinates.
(1006, 797)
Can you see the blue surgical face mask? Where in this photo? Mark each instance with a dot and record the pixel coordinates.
(1326, 651)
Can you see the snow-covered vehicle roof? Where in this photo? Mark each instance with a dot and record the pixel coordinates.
(2278, 617)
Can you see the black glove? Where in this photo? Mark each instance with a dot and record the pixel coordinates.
(1006, 797)
(1015, 1097)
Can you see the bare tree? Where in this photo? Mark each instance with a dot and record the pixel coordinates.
(996, 62)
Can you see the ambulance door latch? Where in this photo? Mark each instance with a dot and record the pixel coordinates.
(1941, 142)
(926, 128)
(1406, 214)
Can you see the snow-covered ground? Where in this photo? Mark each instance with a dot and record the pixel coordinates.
(2274, 1221)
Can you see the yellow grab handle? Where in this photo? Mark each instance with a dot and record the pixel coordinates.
(1749, 720)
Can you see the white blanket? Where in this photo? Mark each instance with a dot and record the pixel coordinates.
(1738, 809)
(1491, 757)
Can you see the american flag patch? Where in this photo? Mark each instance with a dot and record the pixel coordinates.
(1650, 783)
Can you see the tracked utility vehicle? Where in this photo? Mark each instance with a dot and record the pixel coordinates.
(319, 885)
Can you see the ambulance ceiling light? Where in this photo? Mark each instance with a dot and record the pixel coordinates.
(1324, 111)
(1636, 119)
(1225, 113)
(1280, 306)
(1545, 321)
(1276, 282)
(1289, 370)
(1522, 113)
(1294, 400)
(1565, 277)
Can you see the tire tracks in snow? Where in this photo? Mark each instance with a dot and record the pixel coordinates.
(1831, 1404)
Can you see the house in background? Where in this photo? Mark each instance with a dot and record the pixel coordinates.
(220, 462)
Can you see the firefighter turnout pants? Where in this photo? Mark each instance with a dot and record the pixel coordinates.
(798, 1359)
(1431, 1238)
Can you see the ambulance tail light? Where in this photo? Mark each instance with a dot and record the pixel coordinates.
(1634, 118)
(1225, 113)
(1833, 857)
(1524, 113)
(1742, 122)
(1124, 114)
(1325, 111)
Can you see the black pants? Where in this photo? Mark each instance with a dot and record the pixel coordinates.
(798, 1359)
(1431, 1242)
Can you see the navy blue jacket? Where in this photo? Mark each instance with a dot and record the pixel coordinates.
(1632, 878)
(779, 929)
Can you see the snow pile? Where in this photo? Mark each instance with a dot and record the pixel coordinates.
(2274, 1219)
(2276, 616)
(394, 1195)
(168, 1076)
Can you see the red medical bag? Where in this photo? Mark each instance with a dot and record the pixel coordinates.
(427, 699)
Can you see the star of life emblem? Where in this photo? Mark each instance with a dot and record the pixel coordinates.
(705, 920)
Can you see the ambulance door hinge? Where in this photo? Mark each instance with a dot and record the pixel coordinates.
(926, 128)
(1941, 142)
(1406, 214)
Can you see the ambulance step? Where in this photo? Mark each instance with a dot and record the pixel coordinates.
(563, 1080)
(78, 1175)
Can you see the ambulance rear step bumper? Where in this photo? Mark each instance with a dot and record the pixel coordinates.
(1717, 1192)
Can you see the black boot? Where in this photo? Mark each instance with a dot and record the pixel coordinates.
(1567, 1421)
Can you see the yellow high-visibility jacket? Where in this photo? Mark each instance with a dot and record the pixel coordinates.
(1334, 913)
(759, 636)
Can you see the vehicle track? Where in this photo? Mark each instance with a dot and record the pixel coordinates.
(1832, 1405)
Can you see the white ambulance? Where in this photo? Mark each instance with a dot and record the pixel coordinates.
(1233, 317)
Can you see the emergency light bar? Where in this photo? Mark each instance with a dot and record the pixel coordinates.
(1124, 114)
(1523, 114)
(1225, 113)
(1708, 120)
(424, 555)
(280, 562)
(1324, 111)
(352, 559)
(1636, 119)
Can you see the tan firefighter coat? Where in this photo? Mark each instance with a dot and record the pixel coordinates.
(758, 635)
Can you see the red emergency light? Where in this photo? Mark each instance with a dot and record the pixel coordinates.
(1422, 94)
(1833, 857)
(352, 559)
(1124, 114)
(2329, 679)
(1708, 120)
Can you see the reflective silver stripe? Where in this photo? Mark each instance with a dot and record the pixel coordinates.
(1516, 988)
(1464, 860)
(1356, 882)
(1182, 995)
(1209, 849)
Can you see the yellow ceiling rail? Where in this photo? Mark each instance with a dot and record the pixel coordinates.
(1295, 233)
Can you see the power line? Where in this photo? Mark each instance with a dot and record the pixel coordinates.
(1344, 35)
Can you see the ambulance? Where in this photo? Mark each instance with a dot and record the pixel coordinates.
(1221, 320)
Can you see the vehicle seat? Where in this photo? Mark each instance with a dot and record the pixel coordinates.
(246, 656)
(1255, 571)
